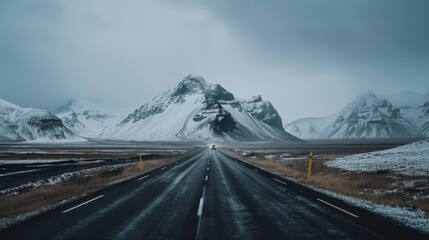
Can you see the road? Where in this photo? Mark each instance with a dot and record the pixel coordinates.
(208, 196)
(52, 160)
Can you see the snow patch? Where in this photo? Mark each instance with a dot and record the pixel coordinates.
(410, 159)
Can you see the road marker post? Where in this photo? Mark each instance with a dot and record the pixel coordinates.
(141, 164)
(310, 165)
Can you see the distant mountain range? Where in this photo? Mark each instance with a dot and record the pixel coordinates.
(194, 110)
(88, 119)
(19, 124)
(198, 110)
(370, 116)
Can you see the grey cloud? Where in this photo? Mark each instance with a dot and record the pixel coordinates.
(308, 57)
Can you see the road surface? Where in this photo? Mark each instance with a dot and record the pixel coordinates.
(208, 196)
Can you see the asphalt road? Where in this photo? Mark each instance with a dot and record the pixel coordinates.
(208, 196)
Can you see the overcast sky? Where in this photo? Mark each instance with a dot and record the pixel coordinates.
(308, 57)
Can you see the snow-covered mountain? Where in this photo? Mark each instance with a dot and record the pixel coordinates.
(88, 119)
(199, 110)
(28, 124)
(415, 107)
(366, 117)
(305, 128)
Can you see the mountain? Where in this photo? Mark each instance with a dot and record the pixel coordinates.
(415, 107)
(28, 124)
(198, 110)
(369, 117)
(366, 117)
(88, 119)
(305, 128)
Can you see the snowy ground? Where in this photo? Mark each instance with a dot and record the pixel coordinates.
(411, 159)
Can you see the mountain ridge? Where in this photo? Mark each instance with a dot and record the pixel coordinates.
(19, 124)
(368, 116)
(198, 110)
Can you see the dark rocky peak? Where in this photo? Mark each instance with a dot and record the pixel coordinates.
(264, 111)
(191, 85)
(217, 92)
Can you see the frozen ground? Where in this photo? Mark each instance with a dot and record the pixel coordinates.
(410, 159)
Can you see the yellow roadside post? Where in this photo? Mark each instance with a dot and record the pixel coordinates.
(310, 164)
(141, 164)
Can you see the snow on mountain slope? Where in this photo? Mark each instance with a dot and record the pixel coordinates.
(29, 124)
(306, 128)
(415, 107)
(369, 117)
(88, 119)
(199, 110)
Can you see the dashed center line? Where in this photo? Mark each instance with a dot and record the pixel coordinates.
(329, 204)
(163, 168)
(256, 170)
(207, 177)
(142, 177)
(80, 205)
(280, 181)
(200, 207)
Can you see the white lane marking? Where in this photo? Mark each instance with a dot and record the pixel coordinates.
(349, 213)
(80, 205)
(256, 170)
(280, 181)
(200, 212)
(163, 168)
(207, 177)
(142, 177)
(200, 207)
(207, 169)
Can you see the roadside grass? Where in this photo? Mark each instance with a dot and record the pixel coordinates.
(13, 205)
(380, 186)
